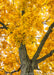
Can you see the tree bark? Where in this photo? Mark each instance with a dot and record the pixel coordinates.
(26, 63)
(27, 69)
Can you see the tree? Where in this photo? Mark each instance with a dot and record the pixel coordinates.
(27, 36)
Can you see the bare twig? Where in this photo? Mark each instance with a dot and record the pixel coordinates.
(4, 26)
(14, 71)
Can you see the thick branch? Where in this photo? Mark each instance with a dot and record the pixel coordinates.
(46, 56)
(4, 26)
(23, 58)
(43, 42)
(23, 54)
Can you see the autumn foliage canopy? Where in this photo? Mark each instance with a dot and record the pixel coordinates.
(25, 21)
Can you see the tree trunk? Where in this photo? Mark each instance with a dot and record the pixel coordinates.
(26, 63)
(27, 69)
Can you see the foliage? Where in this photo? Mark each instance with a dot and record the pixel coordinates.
(29, 29)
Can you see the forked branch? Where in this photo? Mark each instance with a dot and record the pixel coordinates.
(43, 42)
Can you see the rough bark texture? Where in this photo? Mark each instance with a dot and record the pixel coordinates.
(26, 68)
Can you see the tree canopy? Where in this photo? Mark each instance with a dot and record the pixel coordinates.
(27, 22)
